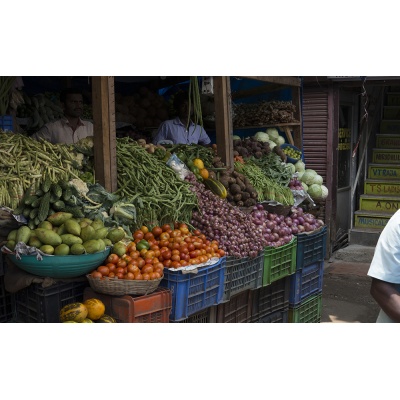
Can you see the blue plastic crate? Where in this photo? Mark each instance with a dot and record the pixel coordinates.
(306, 282)
(311, 247)
(242, 274)
(193, 292)
(6, 123)
(276, 317)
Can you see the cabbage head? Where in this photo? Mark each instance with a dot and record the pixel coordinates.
(261, 136)
(290, 166)
(325, 192)
(300, 166)
(308, 177)
(271, 144)
(280, 140)
(272, 133)
(315, 191)
(318, 179)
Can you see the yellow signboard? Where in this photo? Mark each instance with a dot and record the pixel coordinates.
(344, 139)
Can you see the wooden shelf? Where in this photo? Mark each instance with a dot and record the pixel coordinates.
(268, 126)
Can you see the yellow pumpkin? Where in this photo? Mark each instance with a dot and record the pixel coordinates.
(76, 312)
(95, 307)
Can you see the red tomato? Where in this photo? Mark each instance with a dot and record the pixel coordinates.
(112, 258)
(103, 270)
(156, 231)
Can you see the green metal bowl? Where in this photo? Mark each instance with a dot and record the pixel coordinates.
(70, 266)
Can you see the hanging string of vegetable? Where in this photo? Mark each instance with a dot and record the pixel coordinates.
(6, 83)
(158, 194)
(195, 101)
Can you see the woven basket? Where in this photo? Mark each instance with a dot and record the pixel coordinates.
(277, 208)
(122, 287)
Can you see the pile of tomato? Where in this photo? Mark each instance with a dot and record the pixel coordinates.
(161, 247)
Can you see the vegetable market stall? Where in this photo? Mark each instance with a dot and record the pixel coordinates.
(199, 208)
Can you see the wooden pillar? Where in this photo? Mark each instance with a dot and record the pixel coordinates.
(223, 119)
(297, 131)
(103, 102)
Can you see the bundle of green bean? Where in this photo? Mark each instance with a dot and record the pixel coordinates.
(25, 163)
(6, 83)
(273, 167)
(158, 194)
(195, 101)
(266, 188)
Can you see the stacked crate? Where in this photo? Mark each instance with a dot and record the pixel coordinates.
(154, 307)
(36, 303)
(305, 300)
(6, 298)
(271, 301)
(195, 292)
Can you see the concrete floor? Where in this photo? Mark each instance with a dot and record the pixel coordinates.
(345, 293)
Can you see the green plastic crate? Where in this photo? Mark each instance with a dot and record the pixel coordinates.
(309, 311)
(279, 262)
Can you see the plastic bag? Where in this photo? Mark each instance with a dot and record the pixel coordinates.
(178, 166)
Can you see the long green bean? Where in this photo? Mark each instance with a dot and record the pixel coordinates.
(159, 195)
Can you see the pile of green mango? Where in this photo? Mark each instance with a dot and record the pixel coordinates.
(61, 234)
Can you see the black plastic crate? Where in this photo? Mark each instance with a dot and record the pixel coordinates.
(237, 309)
(42, 304)
(2, 263)
(280, 317)
(271, 298)
(203, 317)
(311, 247)
(306, 282)
(242, 274)
(6, 303)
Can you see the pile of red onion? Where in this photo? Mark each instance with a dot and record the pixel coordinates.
(304, 222)
(295, 184)
(278, 230)
(219, 220)
(274, 229)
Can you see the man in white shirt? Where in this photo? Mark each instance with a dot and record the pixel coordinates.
(71, 128)
(385, 271)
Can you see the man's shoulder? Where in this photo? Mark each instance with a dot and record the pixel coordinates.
(86, 122)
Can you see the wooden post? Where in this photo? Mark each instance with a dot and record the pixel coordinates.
(297, 130)
(103, 100)
(223, 119)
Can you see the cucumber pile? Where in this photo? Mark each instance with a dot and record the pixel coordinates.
(49, 198)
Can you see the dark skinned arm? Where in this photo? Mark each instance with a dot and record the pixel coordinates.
(388, 298)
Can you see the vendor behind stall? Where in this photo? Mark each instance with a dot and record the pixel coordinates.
(71, 128)
(181, 130)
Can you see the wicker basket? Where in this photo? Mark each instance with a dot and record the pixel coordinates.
(277, 208)
(122, 287)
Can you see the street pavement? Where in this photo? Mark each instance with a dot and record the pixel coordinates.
(345, 293)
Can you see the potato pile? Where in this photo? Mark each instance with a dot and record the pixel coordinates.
(241, 192)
